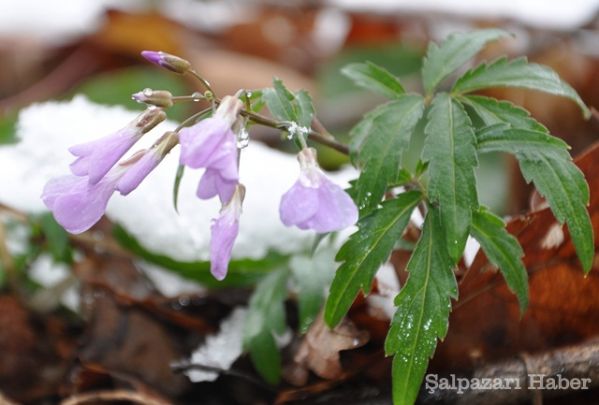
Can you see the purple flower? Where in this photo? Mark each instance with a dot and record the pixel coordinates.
(315, 202)
(96, 158)
(144, 161)
(212, 144)
(76, 204)
(224, 232)
(166, 60)
(141, 164)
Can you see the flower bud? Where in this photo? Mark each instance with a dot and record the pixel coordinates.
(149, 119)
(168, 61)
(158, 98)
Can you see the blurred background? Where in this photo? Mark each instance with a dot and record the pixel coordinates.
(54, 50)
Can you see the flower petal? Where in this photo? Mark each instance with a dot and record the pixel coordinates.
(201, 141)
(76, 204)
(298, 205)
(224, 232)
(336, 209)
(96, 158)
(137, 172)
(212, 184)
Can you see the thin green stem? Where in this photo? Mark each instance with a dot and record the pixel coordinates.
(204, 82)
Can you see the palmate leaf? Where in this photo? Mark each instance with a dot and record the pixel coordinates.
(266, 316)
(423, 307)
(378, 143)
(558, 179)
(441, 60)
(503, 250)
(449, 147)
(517, 73)
(375, 78)
(365, 251)
(545, 161)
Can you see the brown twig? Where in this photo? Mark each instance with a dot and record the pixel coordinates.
(113, 396)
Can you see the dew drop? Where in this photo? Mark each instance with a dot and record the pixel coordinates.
(197, 96)
(147, 92)
(243, 138)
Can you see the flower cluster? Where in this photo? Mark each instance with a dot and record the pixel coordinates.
(79, 200)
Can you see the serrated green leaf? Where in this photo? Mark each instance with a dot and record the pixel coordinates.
(423, 307)
(266, 316)
(517, 73)
(450, 149)
(177, 185)
(503, 250)
(365, 251)
(441, 60)
(558, 179)
(383, 135)
(492, 111)
(312, 274)
(518, 141)
(305, 108)
(375, 78)
(278, 100)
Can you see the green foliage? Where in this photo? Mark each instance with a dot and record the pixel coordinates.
(366, 250)
(287, 106)
(377, 146)
(450, 150)
(458, 128)
(517, 73)
(8, 129)
(423, 307)
(375, 78)
(503, 250)
(442, 60)
(57, 239)
(431, 145)
(266, 316)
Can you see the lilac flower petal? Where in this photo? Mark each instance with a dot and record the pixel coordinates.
(57, 187)
(224, 232)
(96, 158)
(80, 166)
(336, 210)
(200, 142)
(212, 184)
(76, 204)
(298, 205)
(137, 172)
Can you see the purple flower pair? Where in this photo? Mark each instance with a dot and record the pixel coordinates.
(78, 201)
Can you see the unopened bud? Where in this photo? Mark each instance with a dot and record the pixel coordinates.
(168, 61)
(159, 98)
(167, 142)
(149, 119)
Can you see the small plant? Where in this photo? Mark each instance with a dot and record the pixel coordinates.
(453, 126)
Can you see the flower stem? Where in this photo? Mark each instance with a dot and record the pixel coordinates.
(202, 80)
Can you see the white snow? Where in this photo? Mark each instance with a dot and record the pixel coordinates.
(219, 350)
(539, 13)
(46, 131)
